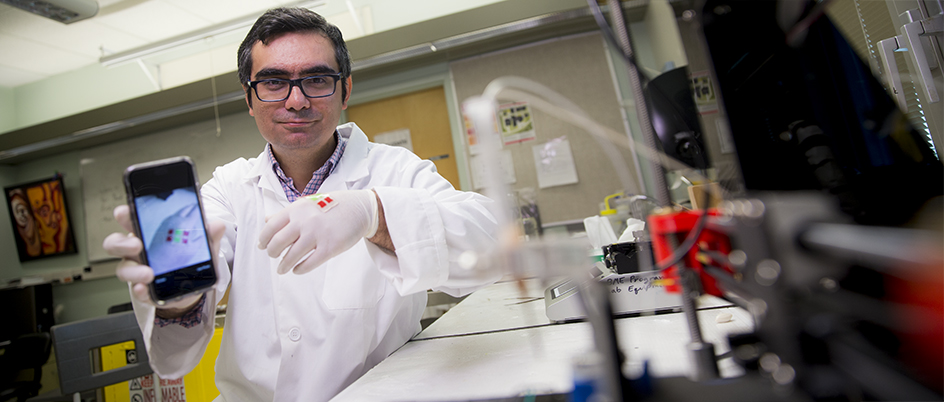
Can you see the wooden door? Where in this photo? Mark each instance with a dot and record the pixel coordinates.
(425, 114)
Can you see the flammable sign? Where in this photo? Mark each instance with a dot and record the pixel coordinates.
(173, 390)
(144, 389)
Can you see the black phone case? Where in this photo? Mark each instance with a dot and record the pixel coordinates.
(185, 288)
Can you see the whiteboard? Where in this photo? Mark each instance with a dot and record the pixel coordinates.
(101, 168)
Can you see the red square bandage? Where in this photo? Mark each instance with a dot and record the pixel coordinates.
(324, 201)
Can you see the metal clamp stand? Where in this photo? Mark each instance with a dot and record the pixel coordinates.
(701, 353)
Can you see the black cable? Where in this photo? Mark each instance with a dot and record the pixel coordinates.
(686, 245)
(717, 257)
(630, 59)
(607, 32)
(725, 355)
(608, 35)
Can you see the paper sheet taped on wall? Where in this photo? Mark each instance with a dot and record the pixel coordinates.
(554, 163)
(397, 138)
(507, 165)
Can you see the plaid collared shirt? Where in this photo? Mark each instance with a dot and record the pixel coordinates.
(288, 186)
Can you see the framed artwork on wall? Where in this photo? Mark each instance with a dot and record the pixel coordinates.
(41, 221)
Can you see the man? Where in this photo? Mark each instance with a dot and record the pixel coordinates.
(350, 287)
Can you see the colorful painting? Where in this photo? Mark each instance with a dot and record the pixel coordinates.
(40, 219)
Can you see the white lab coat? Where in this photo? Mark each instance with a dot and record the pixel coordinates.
(306, 337)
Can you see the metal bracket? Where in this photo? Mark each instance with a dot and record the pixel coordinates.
(913, 35)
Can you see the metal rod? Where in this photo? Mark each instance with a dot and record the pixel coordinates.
(687, 276)
(661, 190)
(892, 250)
(701, 353)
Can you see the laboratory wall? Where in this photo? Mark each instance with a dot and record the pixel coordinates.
(656, 40)
(78, 91)
(7, 112)
(716, 135)
(92, 179)
(209, 144)
(577, 68)
(66, 165)
(656, 46)
(79, 299)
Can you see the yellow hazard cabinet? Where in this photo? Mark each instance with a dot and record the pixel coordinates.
(198, 386)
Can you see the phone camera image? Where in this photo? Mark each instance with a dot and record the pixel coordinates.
(172, 229)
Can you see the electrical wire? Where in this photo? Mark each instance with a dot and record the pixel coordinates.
(543, 98)
(639, 85)
(625, 51)
(690, 240)
(660, 190)
(555, 104)
(715, 256)
(608, 35)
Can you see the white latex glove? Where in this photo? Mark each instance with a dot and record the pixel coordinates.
(317, 228)
(130, 269)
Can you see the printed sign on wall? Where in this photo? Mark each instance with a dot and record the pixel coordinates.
(703, 91)
(516, 122)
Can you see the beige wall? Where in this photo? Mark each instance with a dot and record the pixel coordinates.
(577, 68)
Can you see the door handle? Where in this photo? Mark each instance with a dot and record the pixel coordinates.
(886, 51)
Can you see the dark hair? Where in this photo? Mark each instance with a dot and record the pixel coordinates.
(278, 21)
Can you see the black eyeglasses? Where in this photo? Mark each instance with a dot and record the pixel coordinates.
(278, 89)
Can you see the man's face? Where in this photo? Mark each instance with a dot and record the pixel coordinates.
(297, 123)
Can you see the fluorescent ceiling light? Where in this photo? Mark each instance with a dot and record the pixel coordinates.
(189, 38)
(64, 11)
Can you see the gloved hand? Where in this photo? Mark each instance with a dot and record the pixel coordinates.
(130, 269)
(322, 225)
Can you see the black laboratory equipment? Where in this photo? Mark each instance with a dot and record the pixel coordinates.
(806, 113)
(675, 117)
(836, 242)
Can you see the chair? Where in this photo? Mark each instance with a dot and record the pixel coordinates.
(26, 352)
(78, 380)
(74, 340)
(119, 308)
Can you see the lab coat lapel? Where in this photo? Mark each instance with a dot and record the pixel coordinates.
(353, 164)
(273, 199)
(265, 181)
(262, 175)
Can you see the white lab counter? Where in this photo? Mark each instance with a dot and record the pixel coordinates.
(501, 306)
(497, 344)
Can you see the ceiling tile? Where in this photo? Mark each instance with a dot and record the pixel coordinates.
(219, 11)
(83, 38)
(96, 36)
(11, 17)
(154, 21)
(43, 59)
(106, 3)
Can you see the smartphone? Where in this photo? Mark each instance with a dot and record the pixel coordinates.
(168, 217)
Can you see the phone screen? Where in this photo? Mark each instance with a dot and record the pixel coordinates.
(172, 230)
(169, 220)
